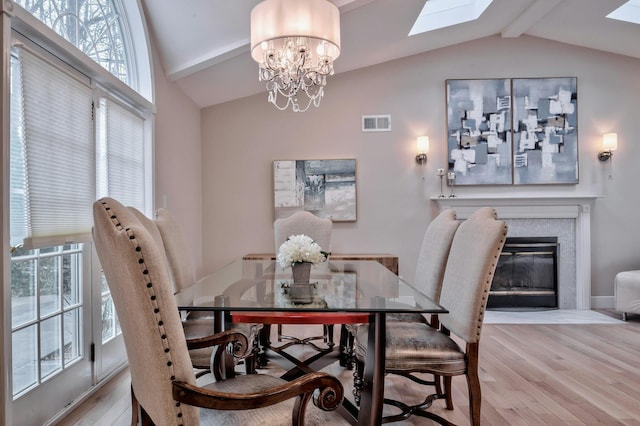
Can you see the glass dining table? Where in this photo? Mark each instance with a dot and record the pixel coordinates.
(358, 289)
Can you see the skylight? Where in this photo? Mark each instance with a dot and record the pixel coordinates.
(629, 12)
(444, 13)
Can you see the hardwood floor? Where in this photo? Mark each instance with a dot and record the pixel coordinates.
(540, 374)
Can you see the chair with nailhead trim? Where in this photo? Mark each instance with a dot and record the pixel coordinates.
(167, 233)
(163, 382)
(432, 260)
(418, 348)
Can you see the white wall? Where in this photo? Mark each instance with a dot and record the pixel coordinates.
(178, 177)
(240, 139)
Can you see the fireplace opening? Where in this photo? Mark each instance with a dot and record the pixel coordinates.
(526, 275)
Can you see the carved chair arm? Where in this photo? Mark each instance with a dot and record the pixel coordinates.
(227, 344)
(327, 394)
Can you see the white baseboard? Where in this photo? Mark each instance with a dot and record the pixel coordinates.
(602, 302)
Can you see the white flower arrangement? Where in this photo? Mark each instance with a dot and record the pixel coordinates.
(299, 249)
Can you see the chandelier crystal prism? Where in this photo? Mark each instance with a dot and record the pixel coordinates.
(295, 43)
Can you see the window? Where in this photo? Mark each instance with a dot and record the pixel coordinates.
(60, 164)
(77, 134)
(46, 309)
(93, 26)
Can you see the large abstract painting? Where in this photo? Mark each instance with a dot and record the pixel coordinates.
(326, 188)
(540, 147)
(479, 131)
(545, 130)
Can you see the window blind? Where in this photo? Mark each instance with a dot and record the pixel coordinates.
(59, 151)
(122, 154)
(17, 177)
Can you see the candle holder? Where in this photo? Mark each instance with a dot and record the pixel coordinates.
(451, 180)
(440, 173)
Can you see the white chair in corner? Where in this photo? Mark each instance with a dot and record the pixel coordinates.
(627, 293)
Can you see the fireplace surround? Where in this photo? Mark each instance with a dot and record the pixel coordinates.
(566, 217)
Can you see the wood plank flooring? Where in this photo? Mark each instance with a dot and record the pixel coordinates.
(531, 374)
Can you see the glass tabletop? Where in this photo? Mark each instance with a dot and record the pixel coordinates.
(334, 286)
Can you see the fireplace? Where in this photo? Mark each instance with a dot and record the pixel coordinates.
(526, 275)
(567, 217)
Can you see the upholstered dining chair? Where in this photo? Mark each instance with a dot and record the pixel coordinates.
(197, 323)
(180, 271)
(432, 259)
(163, 383)
(418, 348)
(319, 230)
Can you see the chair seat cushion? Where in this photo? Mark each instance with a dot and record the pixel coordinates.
(204, 327)
(278, 414)
(406, 317)
(416, 347)
(401, 317)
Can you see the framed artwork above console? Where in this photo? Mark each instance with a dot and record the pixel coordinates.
(326, 188)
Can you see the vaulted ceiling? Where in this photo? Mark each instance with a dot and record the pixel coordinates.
(204, 44)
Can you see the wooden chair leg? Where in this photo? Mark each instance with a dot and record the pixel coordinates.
(448, 393)
(138, 412)
(473, 383)
(438, 381)
(145, 420)
(135, 409)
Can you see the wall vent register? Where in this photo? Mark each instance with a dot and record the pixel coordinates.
(376, 123)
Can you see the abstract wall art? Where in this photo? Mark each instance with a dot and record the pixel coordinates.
(479, 131)
(326, 188)
(545, 136)
(513, 131)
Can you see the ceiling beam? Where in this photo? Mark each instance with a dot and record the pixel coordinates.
(527, 19)
(214, 58)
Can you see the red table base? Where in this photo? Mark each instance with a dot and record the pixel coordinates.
(300, 317)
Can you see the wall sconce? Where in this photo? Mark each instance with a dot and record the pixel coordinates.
(422, 145)
(609, 144)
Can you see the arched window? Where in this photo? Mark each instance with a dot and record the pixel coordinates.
(93, 26)
(99, 28)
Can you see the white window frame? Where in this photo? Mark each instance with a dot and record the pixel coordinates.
(13, 17)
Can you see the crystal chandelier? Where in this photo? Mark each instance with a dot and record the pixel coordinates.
(295, 42)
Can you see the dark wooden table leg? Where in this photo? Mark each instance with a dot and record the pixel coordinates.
(373, 388)
(219, 325)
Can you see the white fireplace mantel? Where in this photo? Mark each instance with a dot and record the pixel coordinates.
(540, 207)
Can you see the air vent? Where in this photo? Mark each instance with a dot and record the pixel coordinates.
(376, 123)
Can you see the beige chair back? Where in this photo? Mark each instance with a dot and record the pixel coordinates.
(177, 249)
(137, 275)
(303, 222)
(150, 225)
(467, 280)
(434, 253)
